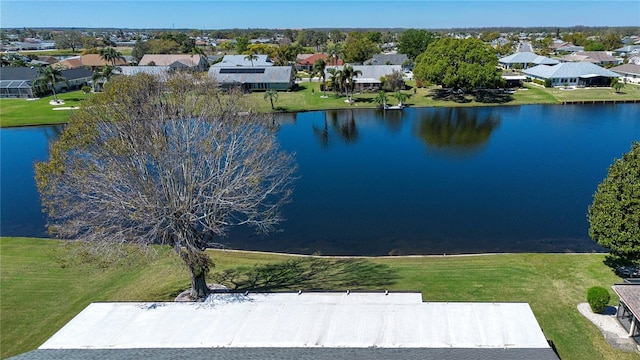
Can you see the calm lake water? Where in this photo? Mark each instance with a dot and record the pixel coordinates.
(418, 181)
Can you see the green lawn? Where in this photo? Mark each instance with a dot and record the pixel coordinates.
(38, 295)
(309, 97)
(21, 112)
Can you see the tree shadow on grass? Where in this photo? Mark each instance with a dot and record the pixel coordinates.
(449, 95)
(493, 97)
(309, 274)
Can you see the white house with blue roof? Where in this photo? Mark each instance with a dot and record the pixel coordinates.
(572, 74)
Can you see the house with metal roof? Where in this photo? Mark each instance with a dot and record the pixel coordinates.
(572, 74)
(630, 73)
(175, 61)
(525, 60)
(254, 78)
(244, 60)
(628, 313)
(18, 81)
(369, 79)
(302, 325)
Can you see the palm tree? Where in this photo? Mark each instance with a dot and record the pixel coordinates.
(334, 79)
(348, 78)
(381, 99)
(272, 95)
(49, 77)
(402, 97)
(105, 73)
(110, 55)
(318, 67)
(252, 56)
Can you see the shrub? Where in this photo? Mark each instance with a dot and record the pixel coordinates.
(598, 298)
(547, 83)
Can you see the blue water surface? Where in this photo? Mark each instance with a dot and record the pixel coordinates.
(417, 181)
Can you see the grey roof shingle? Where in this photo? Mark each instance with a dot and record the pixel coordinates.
(293, 353)
(387, 59)
(630, 69)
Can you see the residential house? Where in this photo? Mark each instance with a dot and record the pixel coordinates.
(525, 60)
(91, 61)
(161, 71)
(630, 73)
(369, 80)
(569, 49)
(601, 58)
(18, 81)
(254, 78)
(572, 74)
(627, 50)
(176, 61)
(244, 60)
(387, 59)
(301, 325)
(305, 63)
(628, 313)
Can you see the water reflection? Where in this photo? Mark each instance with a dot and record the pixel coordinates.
(341, 124)
(456, 130)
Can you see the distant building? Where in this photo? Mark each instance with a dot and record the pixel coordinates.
(601, 58)
(572, 74)
(387, 59)
(305, 326)
(306, 61)
(92, 61)
(175, 61)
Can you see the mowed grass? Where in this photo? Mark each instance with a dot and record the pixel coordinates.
(309, 97)
(22, 112)
(38, 296)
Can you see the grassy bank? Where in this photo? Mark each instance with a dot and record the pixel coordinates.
(20, 112)
(38, 295)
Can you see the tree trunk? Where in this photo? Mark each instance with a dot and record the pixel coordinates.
(199, 288)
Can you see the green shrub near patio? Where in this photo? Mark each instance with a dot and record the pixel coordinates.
(598, 298)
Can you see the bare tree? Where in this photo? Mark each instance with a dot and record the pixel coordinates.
(171, 162)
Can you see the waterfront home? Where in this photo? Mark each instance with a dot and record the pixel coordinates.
(630, 73)
(583, 74)
(369, 79)
(302, 325)
(17, 82)
(254, 78)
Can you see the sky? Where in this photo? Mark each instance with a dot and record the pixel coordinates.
(244, 14)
